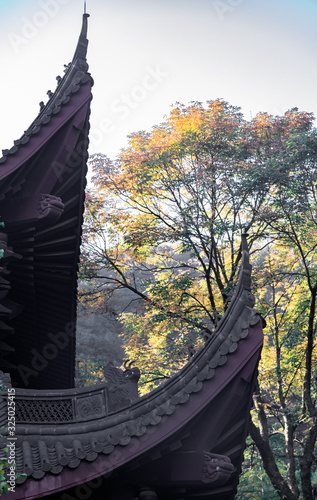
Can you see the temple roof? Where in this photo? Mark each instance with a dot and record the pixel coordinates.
(42, 191)
(186, 438)
(201, 414)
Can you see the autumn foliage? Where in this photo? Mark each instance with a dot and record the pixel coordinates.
(164, 221)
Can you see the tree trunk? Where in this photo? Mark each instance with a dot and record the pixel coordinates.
(270, 467)
(309, 351)
(290, 455)
(306, 462)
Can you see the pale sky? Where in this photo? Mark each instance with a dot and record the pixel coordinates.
(145, 55)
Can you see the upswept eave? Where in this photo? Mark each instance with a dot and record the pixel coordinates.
(42, 192)
(76, 75)
(92, 430)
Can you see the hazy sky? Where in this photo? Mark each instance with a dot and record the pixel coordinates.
(145, 55)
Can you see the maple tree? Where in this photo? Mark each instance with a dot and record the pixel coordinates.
(164, 221)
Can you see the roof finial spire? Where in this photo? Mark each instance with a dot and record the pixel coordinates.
(85, 7)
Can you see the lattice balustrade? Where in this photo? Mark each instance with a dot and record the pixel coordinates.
(41, 410)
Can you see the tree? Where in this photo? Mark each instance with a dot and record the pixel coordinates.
(165, 222)
(285, 402)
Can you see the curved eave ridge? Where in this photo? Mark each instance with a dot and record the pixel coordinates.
(79, 424)
(76, 75)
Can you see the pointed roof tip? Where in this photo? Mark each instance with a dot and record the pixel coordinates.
(84, 27)
(85, 9)
(82, 45)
